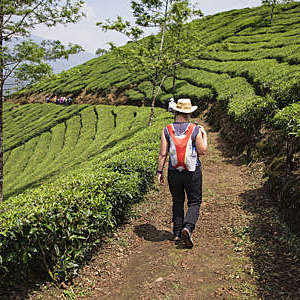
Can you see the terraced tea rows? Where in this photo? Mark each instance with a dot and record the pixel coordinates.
(50, 140)
(251, 64)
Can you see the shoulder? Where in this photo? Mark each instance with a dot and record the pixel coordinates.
(166, 130)
(195, 132)
(196, 129)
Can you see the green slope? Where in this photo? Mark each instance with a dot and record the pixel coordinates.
(251, 65)
(43, 142)
(248, 76)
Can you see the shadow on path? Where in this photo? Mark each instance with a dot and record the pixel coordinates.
(151, 233)
(275, 255)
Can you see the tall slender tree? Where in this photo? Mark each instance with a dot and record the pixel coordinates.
(272, 4)
(143, 56)
(27, 59)
(150, 56)
(181, 39)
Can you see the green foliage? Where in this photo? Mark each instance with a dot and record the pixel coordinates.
(27, 61)
(242, 60)
(289, 118)
(57, 139)
(52, 229)
(23, 128)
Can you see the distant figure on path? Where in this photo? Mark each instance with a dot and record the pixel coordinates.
(115, 118)
(171, 105)
(69, 100)
(134, 114)
(184, 142)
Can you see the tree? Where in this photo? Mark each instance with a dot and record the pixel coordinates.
(101, 51)
(27, 60)
(181, 40)
(272, 4)
(150, 56)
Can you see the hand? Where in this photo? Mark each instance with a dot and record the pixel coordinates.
(202, 130)
(160, 178)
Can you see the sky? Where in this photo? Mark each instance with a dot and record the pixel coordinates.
(91, 37)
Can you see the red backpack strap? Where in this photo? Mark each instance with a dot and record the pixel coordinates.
(191, 127)
(170, 129)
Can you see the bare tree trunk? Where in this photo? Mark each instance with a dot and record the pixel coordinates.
(272, 13)
(163, 30)
(154, 95)
(1, 103)
(152, 105)
(174, 81)
(160, 54)
(272, 9)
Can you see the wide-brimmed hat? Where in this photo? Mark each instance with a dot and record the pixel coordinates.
(184, 106)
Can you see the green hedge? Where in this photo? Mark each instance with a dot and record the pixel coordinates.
(53, 229)
(289, 119)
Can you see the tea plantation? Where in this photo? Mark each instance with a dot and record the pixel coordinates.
(248, 64)
(42, 141)
(87, 173)
(246, 77)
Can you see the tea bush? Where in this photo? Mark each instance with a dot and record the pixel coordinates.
(53, 229)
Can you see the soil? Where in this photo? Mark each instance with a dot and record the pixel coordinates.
(140, 260)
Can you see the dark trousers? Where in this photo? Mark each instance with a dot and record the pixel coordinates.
(191, 184)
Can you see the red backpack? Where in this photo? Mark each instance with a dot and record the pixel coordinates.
(182, 154)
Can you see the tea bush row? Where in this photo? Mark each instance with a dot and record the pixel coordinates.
(267, 76)
(53, 228)
(42, 124)
(69, 145)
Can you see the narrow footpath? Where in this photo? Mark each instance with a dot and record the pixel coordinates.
(140, 261)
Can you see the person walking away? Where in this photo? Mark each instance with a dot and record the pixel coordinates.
(171, 105)
(184, 142)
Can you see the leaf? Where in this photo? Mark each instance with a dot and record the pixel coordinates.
(56, 248)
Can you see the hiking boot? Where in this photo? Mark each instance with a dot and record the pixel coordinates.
(177, 237)
(187, 237)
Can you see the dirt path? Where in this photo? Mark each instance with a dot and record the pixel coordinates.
(141, 262)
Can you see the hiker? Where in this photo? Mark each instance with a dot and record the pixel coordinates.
(115, 118)
(171, 105)
(48, 100)
(69, 101)
(184, 171)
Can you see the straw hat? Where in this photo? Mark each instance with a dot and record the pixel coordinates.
(184, 106)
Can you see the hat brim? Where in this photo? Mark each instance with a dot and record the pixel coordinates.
(185, 111)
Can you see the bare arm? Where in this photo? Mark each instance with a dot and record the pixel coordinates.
(162, 157)
(201, 141)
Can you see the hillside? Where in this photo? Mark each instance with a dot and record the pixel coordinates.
(247, 63)
(242, 249)
(71, 176)
(247, 80)
(43, 142)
